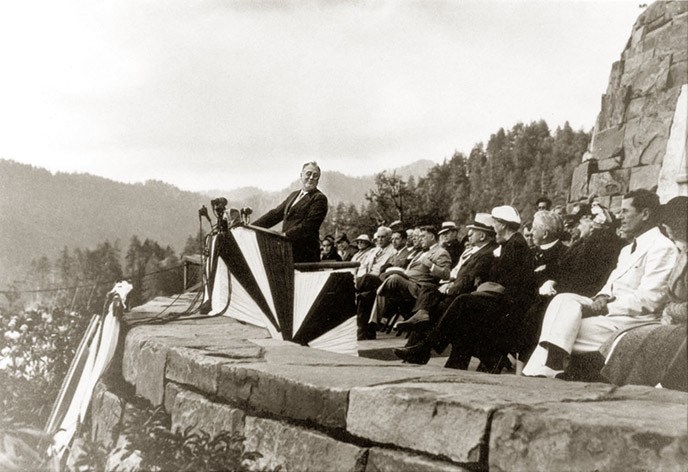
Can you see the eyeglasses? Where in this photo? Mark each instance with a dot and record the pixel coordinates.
(311, 175)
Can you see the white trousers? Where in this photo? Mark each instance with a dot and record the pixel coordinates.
(565, 327)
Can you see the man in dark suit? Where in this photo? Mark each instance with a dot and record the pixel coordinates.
(471, 270)
(301, 214)
(468, 322)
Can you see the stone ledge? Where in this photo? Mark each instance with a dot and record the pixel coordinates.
(204, 370)
(622, 435)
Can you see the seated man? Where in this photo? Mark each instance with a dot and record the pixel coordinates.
(634, 293)
(426, 268)
(471, 270)
(400, 257)
(368, 278)
(468, 323)
(345, 250)
(547, 228)
(449, 240)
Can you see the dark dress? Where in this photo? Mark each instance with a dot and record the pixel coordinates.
(300, 223)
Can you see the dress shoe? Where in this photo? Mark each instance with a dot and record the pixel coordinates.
(419, 319)
(418, 354)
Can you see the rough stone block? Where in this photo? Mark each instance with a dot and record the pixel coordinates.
(196, 411)
(662, 102)
(579, 180)
(612, 182)
(387, 460)
(652, 77)
(613, 107)
(645, 177)
(634, 62)
(201, 368)
(610, 164)
(171, 392)
(106, 414)
(150, 372)
(621, 435)
(645, 139)
(418, 415)
(295, 448)
(678, 74)
(314, 388)
(669, 38)
(608, 143)
(615, 75)
(649, 394)
(615, 205)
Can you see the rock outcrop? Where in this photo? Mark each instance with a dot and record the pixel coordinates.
(639, 140)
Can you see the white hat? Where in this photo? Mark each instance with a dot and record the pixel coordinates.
(482, 222)
(448, 226)
(364, 237)
(506, 213)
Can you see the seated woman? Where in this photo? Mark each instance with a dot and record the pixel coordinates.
(655, 355)
(583, 269)
(327, 251)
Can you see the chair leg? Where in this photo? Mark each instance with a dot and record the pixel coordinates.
(390, 323)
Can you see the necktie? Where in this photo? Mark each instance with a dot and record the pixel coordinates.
(296, 200)
(634, 246)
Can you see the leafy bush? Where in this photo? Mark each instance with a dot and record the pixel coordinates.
(161, 449)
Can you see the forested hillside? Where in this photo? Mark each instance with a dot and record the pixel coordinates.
(42, 213)
(515, 167)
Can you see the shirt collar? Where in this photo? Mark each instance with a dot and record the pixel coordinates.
(546, 246)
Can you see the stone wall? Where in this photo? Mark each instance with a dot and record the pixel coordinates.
(305, 409)
(640, 135)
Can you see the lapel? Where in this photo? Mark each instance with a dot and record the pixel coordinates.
(487, 248)
(291, 204)
(629, 260)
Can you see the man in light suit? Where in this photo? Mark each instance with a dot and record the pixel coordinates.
(301, 214)
(634, 293)
(426, 268)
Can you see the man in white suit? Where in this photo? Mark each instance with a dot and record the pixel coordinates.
(634, 293)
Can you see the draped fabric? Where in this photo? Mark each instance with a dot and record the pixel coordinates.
(93, 356)
(254, 281)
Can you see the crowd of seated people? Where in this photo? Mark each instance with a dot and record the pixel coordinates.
(548, 292)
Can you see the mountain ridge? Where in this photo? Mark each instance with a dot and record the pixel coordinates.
(43, 212)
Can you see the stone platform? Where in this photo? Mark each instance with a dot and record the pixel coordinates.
(305, 409)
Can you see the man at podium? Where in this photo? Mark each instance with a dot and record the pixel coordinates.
(301, 214)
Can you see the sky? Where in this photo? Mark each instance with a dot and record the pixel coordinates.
(221, 94)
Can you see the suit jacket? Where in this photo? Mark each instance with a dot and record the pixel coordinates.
(639, 282)
(587, 263)
(455, 249)
(420, 273)
(474, 270)
(514, 269)
(300, 223)
(547, 262)
(400, 259)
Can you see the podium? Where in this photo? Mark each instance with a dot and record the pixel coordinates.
(249, 275)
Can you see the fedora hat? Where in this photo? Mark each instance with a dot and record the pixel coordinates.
(448, 226)
(482, 222)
